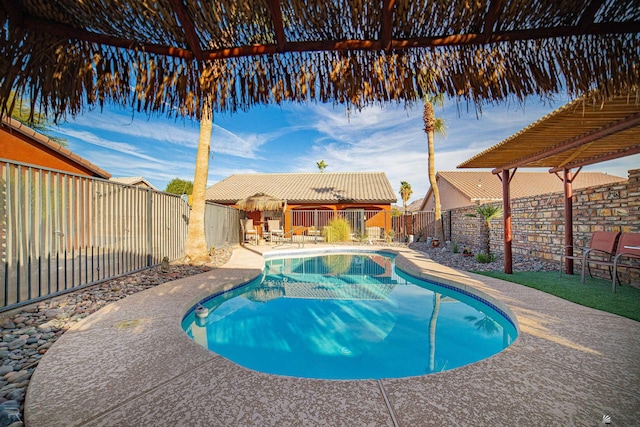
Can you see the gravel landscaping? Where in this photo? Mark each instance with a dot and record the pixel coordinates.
(28, 332)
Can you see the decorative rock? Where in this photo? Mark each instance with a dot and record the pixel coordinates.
(39, 326)
(7, 324)
(13, 345)
(52, 313)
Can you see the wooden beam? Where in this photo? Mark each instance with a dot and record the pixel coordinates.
(624, 152)
(278, 25)
(41, 25)
(495, 8)
(609, 129)
(586, 20)
(188, 27)
(387, 23)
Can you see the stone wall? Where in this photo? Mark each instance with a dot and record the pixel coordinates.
(538, 222)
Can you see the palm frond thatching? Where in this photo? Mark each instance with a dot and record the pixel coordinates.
(167, 56)
(260, 202)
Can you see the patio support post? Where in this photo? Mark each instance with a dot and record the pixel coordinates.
(508, 232)
(568, 221)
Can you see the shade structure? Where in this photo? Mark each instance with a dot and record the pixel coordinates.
(261, 202)
(173, 56)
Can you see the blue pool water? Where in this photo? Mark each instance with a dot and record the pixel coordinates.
(350, 316)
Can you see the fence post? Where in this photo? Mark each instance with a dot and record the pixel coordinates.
(149, 228)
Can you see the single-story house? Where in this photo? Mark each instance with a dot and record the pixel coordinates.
(465, 188)
(137, 181)
(19, 143)
(311, 199)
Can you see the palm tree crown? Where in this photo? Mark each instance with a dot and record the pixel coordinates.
(405, 193)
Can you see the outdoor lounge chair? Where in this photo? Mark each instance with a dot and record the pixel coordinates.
(275, 230)
(249, 232)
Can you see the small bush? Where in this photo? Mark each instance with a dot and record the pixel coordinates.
(455, 247)
(338, 230)
(389, 236)
(484, 258)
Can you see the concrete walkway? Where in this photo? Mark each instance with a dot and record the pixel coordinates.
(130, 364)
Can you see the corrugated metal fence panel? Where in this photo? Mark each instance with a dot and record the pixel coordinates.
(169, 226)
(60, 231)
(222, 225)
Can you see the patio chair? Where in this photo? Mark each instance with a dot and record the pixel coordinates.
(601, 251)
(249, 232)
(600, 241)
(275, 230)
(629, 251)
(374, 234)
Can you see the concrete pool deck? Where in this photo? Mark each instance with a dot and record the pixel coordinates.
(131, 364)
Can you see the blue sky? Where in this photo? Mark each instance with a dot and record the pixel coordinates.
(293, 137)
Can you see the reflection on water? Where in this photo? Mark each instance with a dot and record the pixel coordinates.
(347, 317)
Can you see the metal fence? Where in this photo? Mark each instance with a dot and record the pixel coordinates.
(380, 224)
(61, 231)
(222, 225)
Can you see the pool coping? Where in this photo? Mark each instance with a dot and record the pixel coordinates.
(130, 363)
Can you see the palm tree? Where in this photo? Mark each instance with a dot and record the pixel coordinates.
(196, 246)
(433, 125)
(34, 118)
(488, 212)
(321, 165)
(405, 193)
(432, 332)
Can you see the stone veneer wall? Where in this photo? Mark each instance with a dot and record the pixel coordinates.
(538, 222)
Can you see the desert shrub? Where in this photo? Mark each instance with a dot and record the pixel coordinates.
(338, 230)
(484, 258)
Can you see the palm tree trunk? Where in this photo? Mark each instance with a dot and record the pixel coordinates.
(432, 332)
(196, 246)
(434, 187)
(486, 238)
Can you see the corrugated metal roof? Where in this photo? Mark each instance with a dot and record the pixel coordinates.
(487, 186)
(318, 187)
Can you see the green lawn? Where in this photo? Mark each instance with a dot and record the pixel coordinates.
(595, 293)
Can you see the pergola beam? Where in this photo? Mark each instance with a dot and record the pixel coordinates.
(586, 20)
(609, 129)
(189, 28)
(387, 23)
(281, 45)
(278, 25)
(495, 7)
(624, 152)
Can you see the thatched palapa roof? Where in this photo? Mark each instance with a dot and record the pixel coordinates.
(166, 56)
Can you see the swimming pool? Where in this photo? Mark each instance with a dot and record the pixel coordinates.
(348, 316)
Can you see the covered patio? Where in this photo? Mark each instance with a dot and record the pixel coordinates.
(583, 132)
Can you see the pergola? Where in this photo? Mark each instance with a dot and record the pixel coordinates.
(583, 132)
(173, 56)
